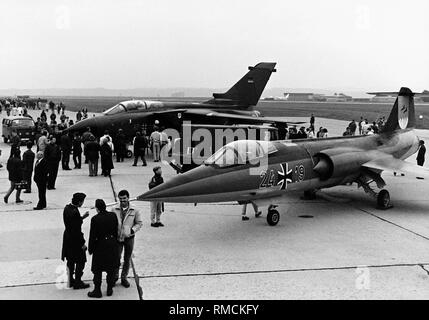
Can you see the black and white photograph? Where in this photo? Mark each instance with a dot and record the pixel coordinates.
(226, 151)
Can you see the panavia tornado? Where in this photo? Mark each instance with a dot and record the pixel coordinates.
(266, 172)
(229, 108)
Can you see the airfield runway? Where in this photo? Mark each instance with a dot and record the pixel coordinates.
(335, 247)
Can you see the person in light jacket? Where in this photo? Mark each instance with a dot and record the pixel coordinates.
(129, 222)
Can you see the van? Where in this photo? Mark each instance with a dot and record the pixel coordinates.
(24, 127)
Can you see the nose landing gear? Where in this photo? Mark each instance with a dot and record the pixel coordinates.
(273, 215)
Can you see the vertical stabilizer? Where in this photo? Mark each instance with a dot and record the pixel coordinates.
(402, 115)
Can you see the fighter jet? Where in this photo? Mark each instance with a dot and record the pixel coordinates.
(231, 107)
(267, 172)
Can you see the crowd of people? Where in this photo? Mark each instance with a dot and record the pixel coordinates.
(364, 127)
(53, 146)
(302, 133)
(53, 149)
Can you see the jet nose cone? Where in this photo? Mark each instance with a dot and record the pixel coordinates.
(82, 125)
(182, 188)
(166, 191)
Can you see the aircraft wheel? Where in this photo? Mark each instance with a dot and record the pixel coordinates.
(383, 199)
(273, 217)
(129, 154)
(4, 139)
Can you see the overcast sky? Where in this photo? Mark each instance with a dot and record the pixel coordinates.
(371, 45)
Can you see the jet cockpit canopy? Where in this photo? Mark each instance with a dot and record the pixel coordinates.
(241, 152)
(133, 105)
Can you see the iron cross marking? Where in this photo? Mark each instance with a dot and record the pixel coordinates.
(284, 176)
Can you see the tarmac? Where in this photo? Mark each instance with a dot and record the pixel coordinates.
(335, 247)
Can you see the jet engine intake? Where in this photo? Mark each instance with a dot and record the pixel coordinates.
(333, 164)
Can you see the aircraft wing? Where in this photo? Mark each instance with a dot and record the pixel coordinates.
(389, 163)
(288, 122)
(224, 115)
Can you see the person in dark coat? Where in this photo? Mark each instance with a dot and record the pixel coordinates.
(353, 127)
(28, 162)
(421, 155)
(74, 248)
(15, 142)
(103, 246)
(312, 121)
(120, 146)
(14, 167)
(53, 157)
(78, 116)
(92, 153)
(106, 158)
(140, 145)
(41, 179)
(66, 147)
(43, 116)
(86, 139)
(77, 151)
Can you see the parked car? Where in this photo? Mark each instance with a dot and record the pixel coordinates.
(24, 127)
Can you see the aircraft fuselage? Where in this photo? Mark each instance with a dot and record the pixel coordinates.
(298, 165)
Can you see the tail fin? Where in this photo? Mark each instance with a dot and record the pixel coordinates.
(247, 91)
(402, 115)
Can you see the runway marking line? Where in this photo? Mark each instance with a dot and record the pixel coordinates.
(420, 265)
(392, 223)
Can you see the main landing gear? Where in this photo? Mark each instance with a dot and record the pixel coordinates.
(273, 215)
(383, 200)
(382, 197)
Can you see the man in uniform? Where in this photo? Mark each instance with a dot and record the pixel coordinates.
(129, 222)
(74, 248)
(103, 246)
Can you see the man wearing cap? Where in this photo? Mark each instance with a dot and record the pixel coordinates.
(129, 222)
(74, 248)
